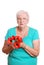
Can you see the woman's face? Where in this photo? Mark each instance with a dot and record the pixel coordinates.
(22, 20)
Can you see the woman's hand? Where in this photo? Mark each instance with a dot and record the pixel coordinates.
(7, 48)
(32, 51)
(22, 44)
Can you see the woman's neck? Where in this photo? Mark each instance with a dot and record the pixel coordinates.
(22, 28)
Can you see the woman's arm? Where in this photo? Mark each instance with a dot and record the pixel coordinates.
(7, 48)
(32, 51)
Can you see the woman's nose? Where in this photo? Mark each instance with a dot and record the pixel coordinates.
(21, 21)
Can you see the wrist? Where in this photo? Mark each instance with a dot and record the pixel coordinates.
(24, 46)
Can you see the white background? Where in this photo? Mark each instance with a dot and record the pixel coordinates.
(8, 10)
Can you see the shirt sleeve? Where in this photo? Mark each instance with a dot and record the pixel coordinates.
(7, 35)
(36, 35)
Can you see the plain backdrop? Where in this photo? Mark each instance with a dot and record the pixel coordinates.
(8, 10)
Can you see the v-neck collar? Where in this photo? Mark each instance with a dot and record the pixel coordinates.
(26, 35)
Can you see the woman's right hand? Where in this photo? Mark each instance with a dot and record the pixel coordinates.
(7, 48)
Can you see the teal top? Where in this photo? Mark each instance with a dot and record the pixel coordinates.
(20, 56)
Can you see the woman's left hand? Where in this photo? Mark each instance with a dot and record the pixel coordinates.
(22, 44)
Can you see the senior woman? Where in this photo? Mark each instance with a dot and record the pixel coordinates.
(29, 48)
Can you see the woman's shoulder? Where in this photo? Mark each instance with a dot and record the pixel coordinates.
(33, 32)
(33, 29)
(12, 28)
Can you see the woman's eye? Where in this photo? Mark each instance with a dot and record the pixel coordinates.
(19, 19)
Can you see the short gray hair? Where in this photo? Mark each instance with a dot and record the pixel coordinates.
(22, 11)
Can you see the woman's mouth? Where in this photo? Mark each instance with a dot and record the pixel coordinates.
(21, 24)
